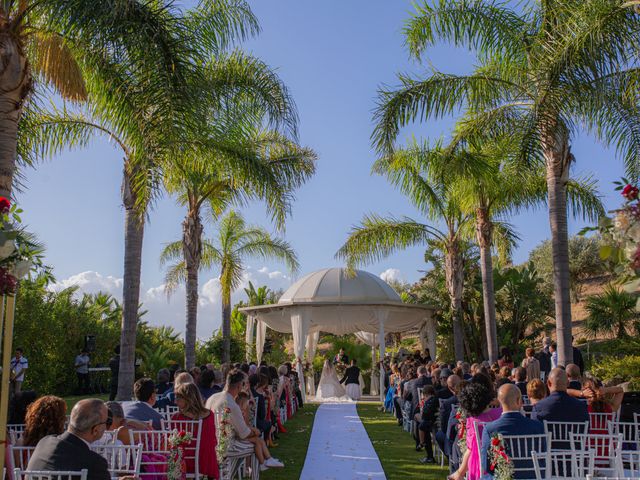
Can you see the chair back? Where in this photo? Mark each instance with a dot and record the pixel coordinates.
(15, 431)
(191, 451)
(122, 460)
(599, 422)
(49, 475)
(478, 427)
(560, 432)
(606, 449)
(19, 456)
(154, 453)
(562, 464)
(519, 448)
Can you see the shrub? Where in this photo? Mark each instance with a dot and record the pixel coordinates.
(626, 368)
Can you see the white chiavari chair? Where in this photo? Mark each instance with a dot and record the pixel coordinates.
(478, 427)
(49, 475)
(563, 465)
(630, 437)
(592, 477)
(599, 422)
(19, 456)
(122, 460)
(191, 450)
(15, 431)
(235, 460)
(519, 448)
(525, 400)
(606, 450)
(560, 432)
(154, 453)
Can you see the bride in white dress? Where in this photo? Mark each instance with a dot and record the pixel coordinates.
(329, 388)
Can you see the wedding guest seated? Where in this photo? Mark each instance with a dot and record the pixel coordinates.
(70, 451)
(206, 384)
(445, 410)
(169, 397)
(601, 399)
(511, 422)
(189, 402)
(475, 399)
(121, 426)
(521, 380)
(217, 382)
(258, 385)
(575, 379)
(466, 371)
(142, 409)
(427, 420)
(443, 392)
(559, 406)
(45, 416)
(536, 391)
(245, 437)
(195, 374)
(413, 388)
(19, 404)
(163, 381)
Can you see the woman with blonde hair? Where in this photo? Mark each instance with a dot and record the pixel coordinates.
(531, 365)
(191, 407)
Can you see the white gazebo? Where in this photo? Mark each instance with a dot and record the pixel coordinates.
(335, 301)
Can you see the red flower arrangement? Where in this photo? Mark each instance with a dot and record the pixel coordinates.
(630, 192)
(461, 417)
(5, 205)
(501, 465)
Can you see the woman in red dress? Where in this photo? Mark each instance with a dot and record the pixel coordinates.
(191, 407)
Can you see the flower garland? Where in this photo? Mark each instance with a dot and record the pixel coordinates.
(225, 433)
(461, 417)
(501, 465)
(177, 467)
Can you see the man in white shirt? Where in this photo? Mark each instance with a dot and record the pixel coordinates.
(82, 371)
(19, 365)
(248, 439)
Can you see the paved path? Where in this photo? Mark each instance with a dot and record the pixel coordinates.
(340, 448)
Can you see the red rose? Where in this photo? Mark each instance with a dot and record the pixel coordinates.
(495, 442)
(5, 204)
(630, 192)
(182, 433)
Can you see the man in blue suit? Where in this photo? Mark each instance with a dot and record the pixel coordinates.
(559, 406)
(511, 422)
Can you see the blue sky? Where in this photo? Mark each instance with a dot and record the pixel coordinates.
(333, 55)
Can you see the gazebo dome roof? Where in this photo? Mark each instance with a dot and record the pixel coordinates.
(336, 285)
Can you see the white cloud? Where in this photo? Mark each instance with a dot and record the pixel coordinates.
(163, 310)
(392, 275)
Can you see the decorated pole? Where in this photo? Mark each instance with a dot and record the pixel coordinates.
(7, 311)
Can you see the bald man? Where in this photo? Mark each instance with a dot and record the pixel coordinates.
(70, 451)
(445, 411)
(511, 422)
(559, 406)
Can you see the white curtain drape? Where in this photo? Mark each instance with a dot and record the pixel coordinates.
(381, 316)
(260, 337)
(248, 338)
(369, 338)
(312, 345)
(300, 320)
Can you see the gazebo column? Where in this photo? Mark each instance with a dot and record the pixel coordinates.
(300, 321)
(312, 345)
(373, 389)
(248, 337)
(381, 316)
(261, 334)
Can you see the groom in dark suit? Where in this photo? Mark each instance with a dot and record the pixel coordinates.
(351, 375)
(70, 451)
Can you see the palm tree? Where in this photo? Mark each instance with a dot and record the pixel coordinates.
(262, 165)
(613, 309)
(257, 297)
(428, 189)
(234, 243)
(544, 70)
(119, 109)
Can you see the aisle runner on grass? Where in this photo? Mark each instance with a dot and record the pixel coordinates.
(340, 447)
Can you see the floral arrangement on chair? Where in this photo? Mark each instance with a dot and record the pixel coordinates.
(225, 433)
(461, 417)
(500, 464)
(176, 466)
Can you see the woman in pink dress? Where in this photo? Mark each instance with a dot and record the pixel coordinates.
(475, 399)
(191, 407)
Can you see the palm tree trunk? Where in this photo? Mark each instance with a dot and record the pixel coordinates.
(226, 327)
(454, 276)
(192, 250)
(134, 234)
(558, 158)
(484, 231)
(15, 86)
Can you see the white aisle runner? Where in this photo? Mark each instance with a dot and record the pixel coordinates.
(340, 448)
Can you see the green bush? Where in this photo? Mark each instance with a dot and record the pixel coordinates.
(211, 351)
(626, 368)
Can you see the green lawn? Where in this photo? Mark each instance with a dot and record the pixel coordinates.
(292, 446)
(73, 399)
(395, 447)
